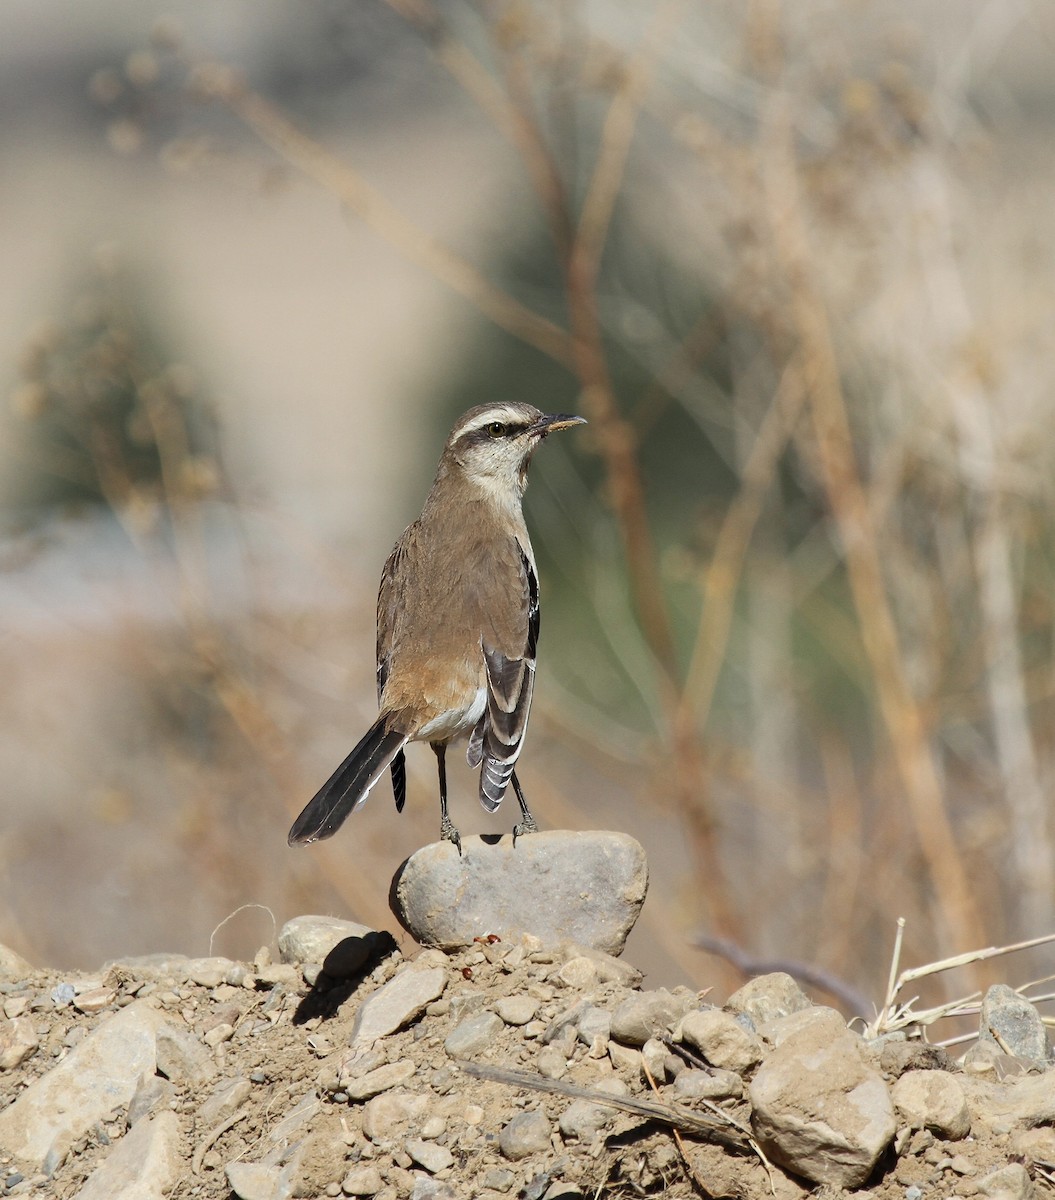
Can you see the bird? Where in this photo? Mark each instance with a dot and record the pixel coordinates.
(457, 626)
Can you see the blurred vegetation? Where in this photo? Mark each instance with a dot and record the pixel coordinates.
(799, 570)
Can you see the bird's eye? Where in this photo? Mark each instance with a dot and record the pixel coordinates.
(496, 429)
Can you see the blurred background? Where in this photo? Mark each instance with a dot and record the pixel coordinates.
(795, 264)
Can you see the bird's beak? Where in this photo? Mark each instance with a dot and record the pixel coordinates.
(556, 421)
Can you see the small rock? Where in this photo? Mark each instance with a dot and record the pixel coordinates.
(473, 1035)
(819, 1109)
(433, 1128)
(517, 1009)
(18, 1041)
(182, 1058)
(152, 1092)
(228, 1098)
(608, 968)
(385, 1115)
(400, 1001)
(429, 1155)
(585, 1119)
(768, 997)
(623, 1058)
(1000, 1105)
(527, 1133)
(1008, 1183)
(933, 1100)
(15, 1006)
(498, 1179)
(580, 887)
(551, 1063)
(255, 1181)
(1012, 1023)
(895, 1058)
(373, 1083)
(650, 1014)
(310, 939)
(94, 1000)
(207, 972)
(218, 1033)
(362, 1181)
(721, 1039)
(98, 1075)
(579, 973)
(474, 1114)
(594, 1024)
(655, 1056)
(817, 1017)
(143, 1165)
(707, 1085)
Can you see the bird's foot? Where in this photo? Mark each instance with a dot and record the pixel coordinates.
(528, 825)
(449, 834)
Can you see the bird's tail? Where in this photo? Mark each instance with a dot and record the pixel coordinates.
(348, 786)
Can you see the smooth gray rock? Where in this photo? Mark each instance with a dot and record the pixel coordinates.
(517, 1009)
(143, 1165)
(1012, 1023)
(309, 939)
(933, 1100)
(429, 1155)
(561, 886)
(527, 1133)
(819, 1109)
(100, 1074)
(1007, 1183)
(400, 1001)
(650, 1014)
(362, 1181)
(473, 1034)
(767, 997)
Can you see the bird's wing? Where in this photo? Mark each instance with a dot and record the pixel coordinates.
(509, 662)
(389, 605)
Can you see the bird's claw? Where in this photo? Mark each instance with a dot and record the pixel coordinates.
(528, 825)
(448, 833)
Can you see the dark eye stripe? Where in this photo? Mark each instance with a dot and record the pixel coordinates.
(482, 434)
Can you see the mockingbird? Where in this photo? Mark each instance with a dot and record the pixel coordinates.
(457, 625)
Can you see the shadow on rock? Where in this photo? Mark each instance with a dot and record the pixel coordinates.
(343, 970)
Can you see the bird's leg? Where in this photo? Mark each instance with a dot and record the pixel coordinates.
(528, 824)
(447, 831)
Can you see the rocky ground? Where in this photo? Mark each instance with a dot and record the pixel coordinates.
(511, 1067)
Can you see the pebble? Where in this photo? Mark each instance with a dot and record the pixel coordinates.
(473, 1035)
(429, 1155)
(578, 973)
(386, 1114)
(94, 1000)
(1012, 1023)
(551, 1062)
(373, 1083)
(97, 1076)
(527, 1133)
(933, 1100)
(228, 1098)
(207, 972)
(309, 939)
(721, 1039)
(560, 886)
(362, 1181)
(1007, 1183)
(498, 1179)
(707, 1085)
(768, 997)
(18, 1041)
(650, 1014)
(402, 1000)
(517, 1010)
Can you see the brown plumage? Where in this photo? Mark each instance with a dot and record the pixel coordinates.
(457, 625)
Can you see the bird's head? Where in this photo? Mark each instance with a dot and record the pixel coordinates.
(493, 443)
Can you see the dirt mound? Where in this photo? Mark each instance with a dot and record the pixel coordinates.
(505, 1069)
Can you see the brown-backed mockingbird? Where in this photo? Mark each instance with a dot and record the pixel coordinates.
(457, 625)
